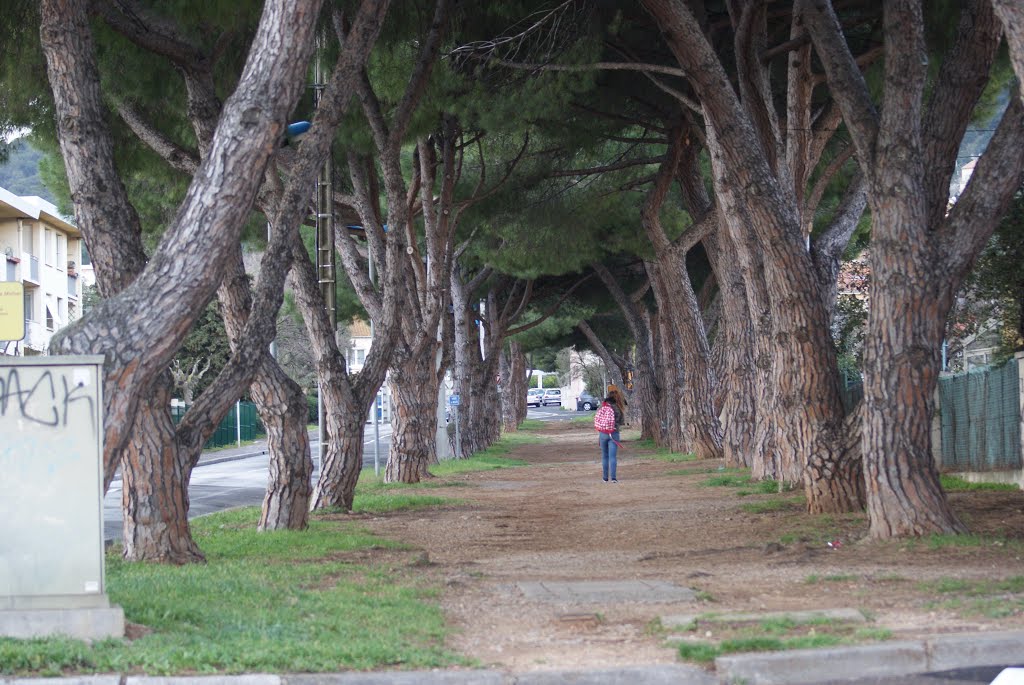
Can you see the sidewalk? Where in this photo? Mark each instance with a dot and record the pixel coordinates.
(550, 576)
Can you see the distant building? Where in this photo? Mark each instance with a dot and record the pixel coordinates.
(360, 341)
(43, 251)
(359, 344)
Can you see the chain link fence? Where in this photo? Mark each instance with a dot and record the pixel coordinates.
(229, 431)
(980, 417)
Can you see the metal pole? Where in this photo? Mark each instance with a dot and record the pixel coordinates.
(320, 428)
(238, 423)
(273, 343)
(458, 437)
(378, 400)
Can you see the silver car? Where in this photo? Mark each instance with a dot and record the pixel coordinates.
(551, 396)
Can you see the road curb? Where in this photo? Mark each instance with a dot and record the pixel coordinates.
(670, 674)
(808, 666)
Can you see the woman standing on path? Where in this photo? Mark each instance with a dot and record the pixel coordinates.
(607, 422)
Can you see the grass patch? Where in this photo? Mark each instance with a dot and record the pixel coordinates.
(533, 425)
(673, 457)
(762, 487)
(989, 598)
(726, 481)
(955, 484)
(823, 528)
(778, 634)
(662, 453)
(384, 502)
(769, 506)
(585, 421)
(272, 602)
(975, 588)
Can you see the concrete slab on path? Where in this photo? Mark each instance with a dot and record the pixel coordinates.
(686, 621)
(601, 591)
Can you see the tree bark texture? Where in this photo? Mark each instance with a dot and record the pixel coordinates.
(736, 337)
(155, 476)
(695, 398)
(677, 303)
(514, 386)
(921, 252)
(414, 388)
(645, 382)
(282, 409)
(809, 414)
(671, 433)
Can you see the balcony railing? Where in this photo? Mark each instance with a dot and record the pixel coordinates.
(33, 268)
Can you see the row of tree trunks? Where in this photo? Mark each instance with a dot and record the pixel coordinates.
(670, 374)
(646, 388)
(922, 250)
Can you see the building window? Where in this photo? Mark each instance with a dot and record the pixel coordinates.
(62, 311)
(360, 356)
(62, 252)
(30, 305)
(49, 318)
(85, 253)
(48, 247)
(28, 234)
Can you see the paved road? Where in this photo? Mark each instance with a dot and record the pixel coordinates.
(960, 676)
(232, 478)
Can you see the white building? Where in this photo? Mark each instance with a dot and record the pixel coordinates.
(360, 341)
(42, 251)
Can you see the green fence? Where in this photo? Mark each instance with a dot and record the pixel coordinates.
(981, 419)
(227, 432)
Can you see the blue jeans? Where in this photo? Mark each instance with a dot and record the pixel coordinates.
(609, 450)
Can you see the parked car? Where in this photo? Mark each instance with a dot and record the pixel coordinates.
(551, 396)
(587, 402)
(533, 397)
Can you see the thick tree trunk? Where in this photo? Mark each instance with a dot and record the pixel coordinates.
(510, 390)
(901, 371)
(738, 377)
(414, 396)
(481, 427)
(670, 373)
(155, 475)
(645, 383)
(342, 462)
(515, 410)
(696, 396)
(282, 408)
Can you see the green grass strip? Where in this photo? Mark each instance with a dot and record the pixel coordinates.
(271, 602)
(955, 484)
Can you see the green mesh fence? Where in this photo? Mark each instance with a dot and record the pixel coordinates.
(981, 419)
(227, 431)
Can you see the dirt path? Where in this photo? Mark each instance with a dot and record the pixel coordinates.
(556, 520)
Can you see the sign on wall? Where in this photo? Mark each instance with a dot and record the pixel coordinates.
(12, 310)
